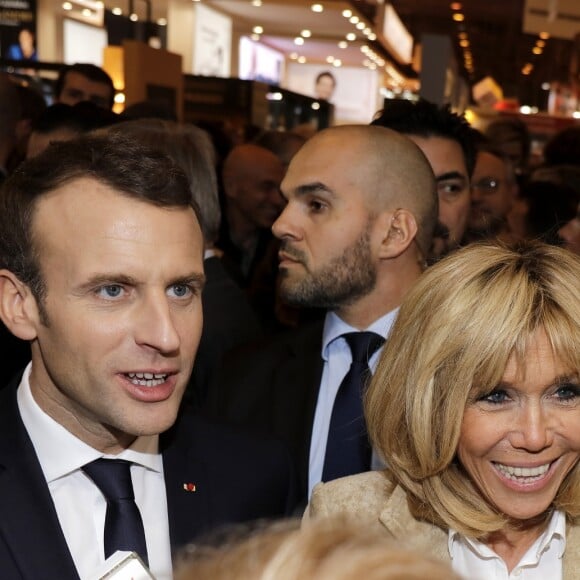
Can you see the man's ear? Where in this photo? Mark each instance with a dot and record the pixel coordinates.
(18, 308)
(400, 231)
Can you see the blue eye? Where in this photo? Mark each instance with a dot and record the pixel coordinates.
(110, 291)
(181, 290)
(568, 392)
(496, 397)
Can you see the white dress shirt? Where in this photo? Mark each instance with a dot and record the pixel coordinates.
(79, 503)
(543, 560)
(337, 359)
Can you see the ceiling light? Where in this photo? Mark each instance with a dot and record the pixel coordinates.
(299, 41)
(576, 114)
(119, 98)
(343, 44)
(462, 35)
(315, 106)
(464, 43)
(116, 11)
(317, 8)
(337, 62)
(67, 6)
(306, 33)
(458, 17)
(257, 30)
(162, 21)
(347, 13)
(361, 26)
(537, 50)
(257, 3)
(544, 35)
(455, 5)
(545, 86)
(354, 19)
(351, 36)
(293, 55)
(541, 43)
(372, 36)
(255, 37)
(329, 59)
(133, 17)
(301, 59)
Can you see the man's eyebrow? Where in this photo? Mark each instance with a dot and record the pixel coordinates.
(451, 175)
(195, 278)
(311, 188)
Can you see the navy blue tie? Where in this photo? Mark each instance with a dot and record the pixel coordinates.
(123, 524)
(348, 450)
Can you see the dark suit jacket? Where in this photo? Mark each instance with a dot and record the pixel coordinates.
(238, 478)
(228, 321)
(272, 388)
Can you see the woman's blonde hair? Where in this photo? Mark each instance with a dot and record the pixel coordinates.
(334, 548)
(450, 344)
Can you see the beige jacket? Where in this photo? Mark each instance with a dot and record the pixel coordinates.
(370, 497)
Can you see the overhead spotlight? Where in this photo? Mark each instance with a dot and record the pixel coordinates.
(464, 43)
(458, 17)
(258, 30)
(116, 11)
(347, 13)
(351, 36)
(372, 36)
(257, 3)
(541, 43)
(360, 26)
(317, 8)
(343, 44)
(456, 6)
(299, 41)
(354, 19)
(315, 106)
(537, 50)
(337, 62)
(462, 35)
(133, 17)
(306, 33)
(162, 21)
(293, 55)
(367, 31)
(545, 86)
(329, 59)
(67, 6)
(301, 59)
(544, 35)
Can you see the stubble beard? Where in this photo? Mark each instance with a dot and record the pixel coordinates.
(340, 282)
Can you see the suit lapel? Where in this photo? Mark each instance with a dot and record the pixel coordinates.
(29, 524)
(424, 536)
(188, 489)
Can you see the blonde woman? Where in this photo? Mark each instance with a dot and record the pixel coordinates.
(475, 406)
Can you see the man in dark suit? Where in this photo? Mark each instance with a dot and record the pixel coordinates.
(354, 236)
(101, 270)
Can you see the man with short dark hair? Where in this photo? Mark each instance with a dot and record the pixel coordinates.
(448, 142)
(101, 270)
(84, 82)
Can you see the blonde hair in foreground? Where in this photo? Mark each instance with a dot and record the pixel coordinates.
(324, 549)
(454, 334)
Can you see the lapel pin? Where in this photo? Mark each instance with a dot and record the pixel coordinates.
(189, 487)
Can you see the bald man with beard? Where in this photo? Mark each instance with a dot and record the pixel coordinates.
(358, 224)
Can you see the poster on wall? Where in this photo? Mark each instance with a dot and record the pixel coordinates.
(18, 29)
(212, 43)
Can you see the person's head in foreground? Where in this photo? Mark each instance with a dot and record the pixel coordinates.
(101, 270)
(325, 549)
(475, 403)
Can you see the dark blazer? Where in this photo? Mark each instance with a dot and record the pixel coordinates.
(237, 478)
(228, 321)
(272, 388)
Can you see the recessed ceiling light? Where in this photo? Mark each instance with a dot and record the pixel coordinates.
(337, 62)
(541, 43)
(343, 44)
(301, 59)
(361, 25)
(354, 19)
(255, 37)
(351, 36)
(372, 36)
(133, 17)
(545, 86)
(464, 43)
(257, 3)
(67, 6)
(257, 30)
(162, 21)
(299, 41)
(116, 11)
(306, 33)
(544, 35)
(293, 55)
(317, 8)
(329, 59)
(347, 13)
(537, 50)
(456, 6)
(458, 17)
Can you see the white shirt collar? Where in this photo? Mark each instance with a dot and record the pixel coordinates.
(60, 452)
(555, 532)
(334, 327)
